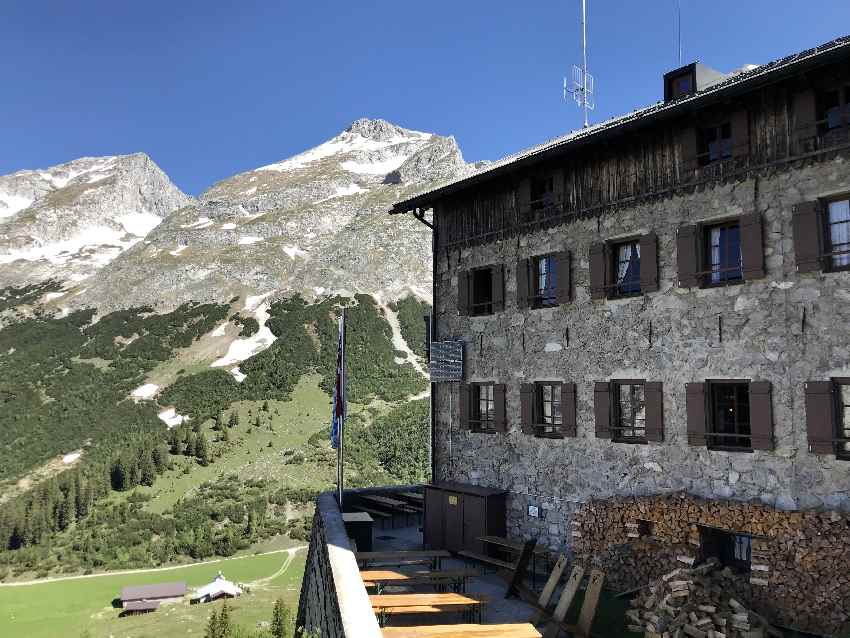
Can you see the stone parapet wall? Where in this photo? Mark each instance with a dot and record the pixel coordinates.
(333, 602)
(800, 572)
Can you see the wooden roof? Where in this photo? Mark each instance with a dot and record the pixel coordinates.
(148, 592)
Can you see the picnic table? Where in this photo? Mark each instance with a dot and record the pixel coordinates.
(402, 557)
(514, 630)
(381, 577)
(394, 505)
(385, 605)
(413, 496)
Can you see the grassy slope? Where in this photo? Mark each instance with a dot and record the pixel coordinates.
(67, 608)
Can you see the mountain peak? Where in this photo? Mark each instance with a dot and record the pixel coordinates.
(378, 130)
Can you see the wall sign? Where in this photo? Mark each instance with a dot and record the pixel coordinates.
(446, 361)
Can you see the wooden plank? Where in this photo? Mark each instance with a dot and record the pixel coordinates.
(518, 577)
(401, 601)
(487, 559)
(383, 500)
(552, 582)
(372, 578)
(403, 554)
(570, 589)
(591, 601)
(514, 630)
(509, 543)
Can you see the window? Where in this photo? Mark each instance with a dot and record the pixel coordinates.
(833, 110)
(681, 85)
(629, 417)
(483, 408)
(729, 415)
(838, 235)
(542, 192)
(714, 144)
(723, 262)
(730, 549)
(842, 411)
(482, 292)
(545, 281)
(626, 269)
(548, 408)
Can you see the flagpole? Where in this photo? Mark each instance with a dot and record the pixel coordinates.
(339, 451)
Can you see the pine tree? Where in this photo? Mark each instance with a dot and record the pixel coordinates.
(234, 420)
(265, 406)
(217, 424)
(147, 469)
(202, 450)
(280, 620)
(225, 435)
(224, 627)
(119, 475)
(213, 626)
(159, 456)
(175, 442)
(191, 443)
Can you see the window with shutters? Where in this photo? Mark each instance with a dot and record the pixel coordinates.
(547, 408)
(482, 411)
(544, 273)
(714, 143)
(728, 426)
(628, 417)
(842, 413)
(481, 292)
(542, 192)
(833, 111)
(837, 234)
(625, 269)
(732, 550)
(722, 263)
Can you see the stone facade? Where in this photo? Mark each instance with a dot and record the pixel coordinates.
(786, 328)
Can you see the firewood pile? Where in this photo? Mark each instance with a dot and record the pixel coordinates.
(695, 602)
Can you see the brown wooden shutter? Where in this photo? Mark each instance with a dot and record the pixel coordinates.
(740, 124)
(820, 416)
(524, 195)
(500, 421)
(526, 407)
(465, 402)
(568, 409)
(498, 281)
(695, 407)
(598, 268)
(654, 398)
(687, 255)
(806, 223)
(687, 152)
(523, 275)
(563, 277)
(805, 122)
(761, 415)
(602, 409)
(752, 246)
(463, 293)
(649, 263)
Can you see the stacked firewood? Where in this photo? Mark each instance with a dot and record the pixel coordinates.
(695, 602)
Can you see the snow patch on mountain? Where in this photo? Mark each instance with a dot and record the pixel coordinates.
(343, 191)
(294, 251)
(11, 204)
(247, 240)
(139, 224)
(242, 349)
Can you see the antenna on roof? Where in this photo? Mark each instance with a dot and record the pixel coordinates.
(582, 87)
(678, 29)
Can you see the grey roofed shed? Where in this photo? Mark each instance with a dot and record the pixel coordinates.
(153, 592)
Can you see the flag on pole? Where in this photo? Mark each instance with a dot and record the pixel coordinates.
(338, 416)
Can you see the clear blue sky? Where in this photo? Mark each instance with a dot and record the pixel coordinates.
(209, 88)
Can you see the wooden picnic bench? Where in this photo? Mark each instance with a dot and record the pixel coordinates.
(381, 577)
(403, 557)
(513, 630)
(514, 546)
(385, 605)
(391, 505)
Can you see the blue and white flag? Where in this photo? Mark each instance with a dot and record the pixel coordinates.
(338, 416)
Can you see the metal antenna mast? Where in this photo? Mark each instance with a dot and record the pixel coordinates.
(582, 87)
(679, 30)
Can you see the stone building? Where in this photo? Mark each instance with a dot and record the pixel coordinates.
(655, 318)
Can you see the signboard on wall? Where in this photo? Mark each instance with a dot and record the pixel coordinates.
(446, 361)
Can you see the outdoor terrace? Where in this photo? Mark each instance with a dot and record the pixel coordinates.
(335, 599)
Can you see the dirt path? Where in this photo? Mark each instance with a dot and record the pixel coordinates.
(290, 556)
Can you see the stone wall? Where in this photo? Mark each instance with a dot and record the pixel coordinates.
(800, 573)
(786, 328)
(333, 600)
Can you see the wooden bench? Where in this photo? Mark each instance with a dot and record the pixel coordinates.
(403, 557)
(380, 578)
(378, 514)
(483, 558)
(517, 630)
(385, 605)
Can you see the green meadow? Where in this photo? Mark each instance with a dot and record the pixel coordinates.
(68, 608)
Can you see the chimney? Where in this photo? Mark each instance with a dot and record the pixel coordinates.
(689, 79)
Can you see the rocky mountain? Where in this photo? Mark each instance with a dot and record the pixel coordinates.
(67, 221)
(313, 224)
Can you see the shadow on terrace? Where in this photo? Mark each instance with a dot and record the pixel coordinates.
(371, 572)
